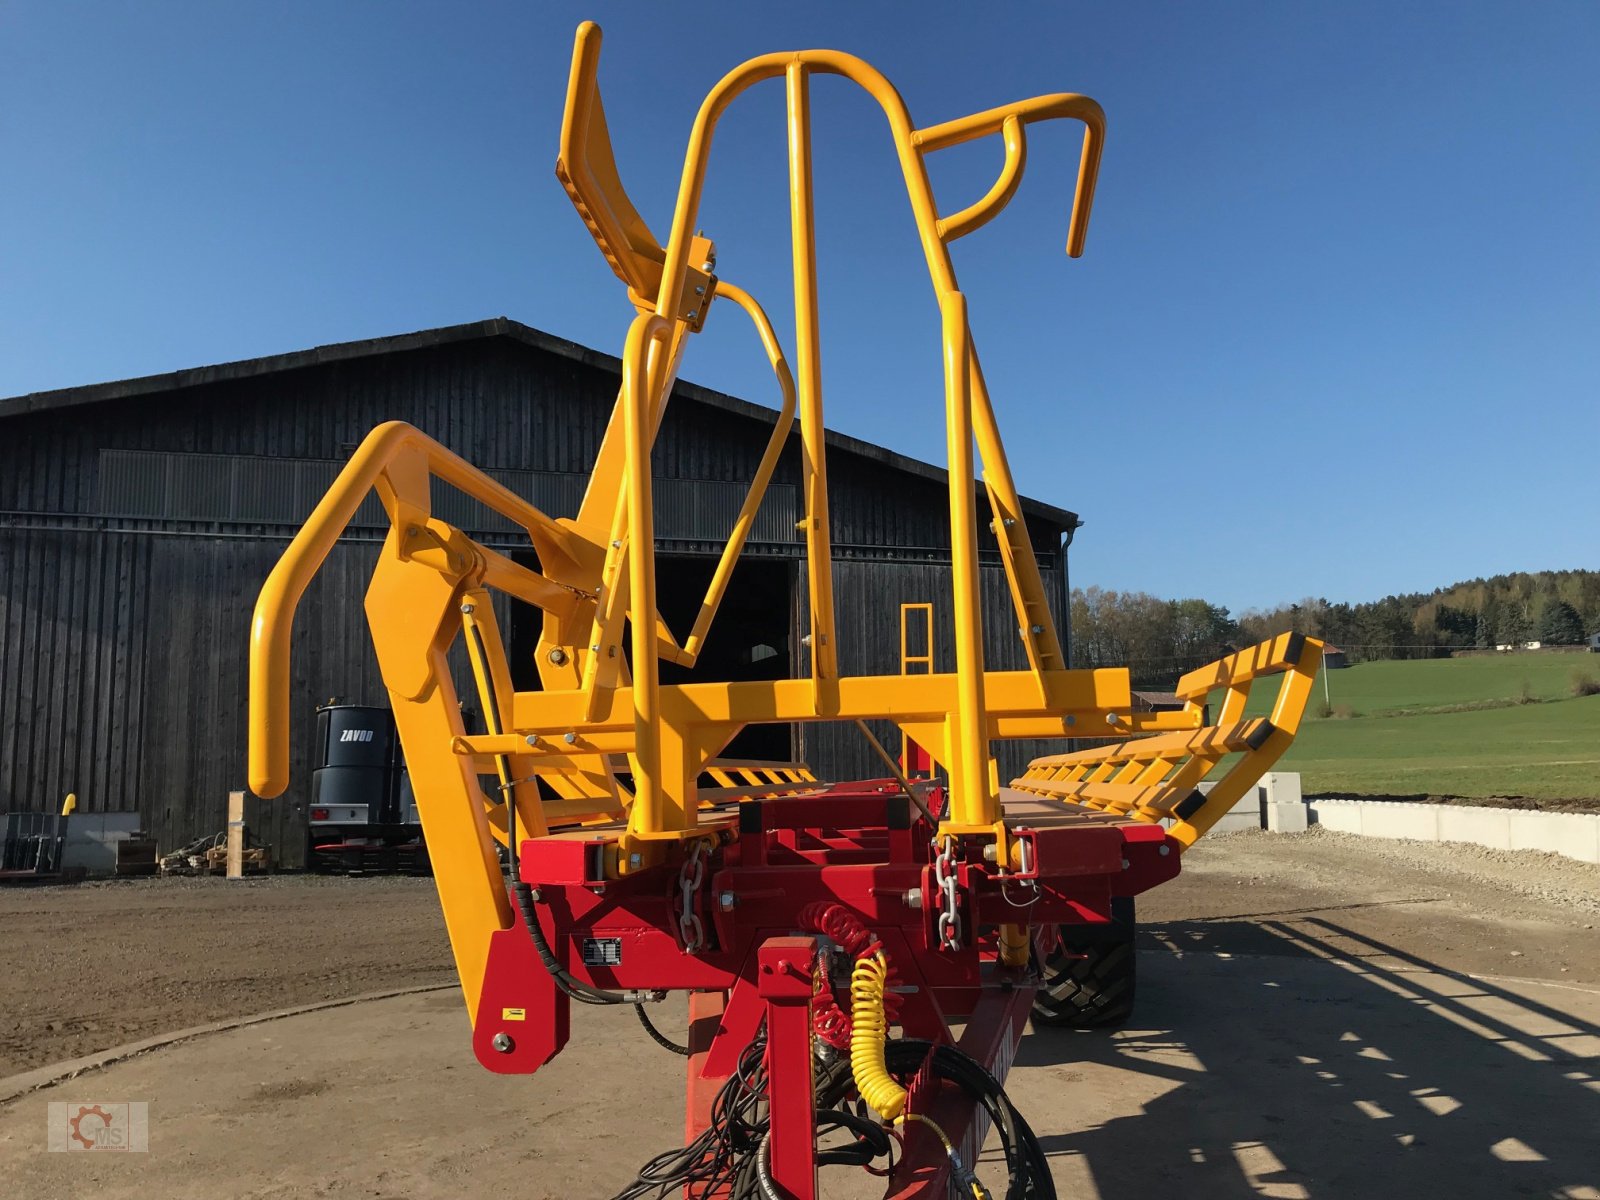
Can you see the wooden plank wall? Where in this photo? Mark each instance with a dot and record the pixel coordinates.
(123, 641)
(867, 599)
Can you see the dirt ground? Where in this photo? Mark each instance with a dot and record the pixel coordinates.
(1320, 1016)
(95, 965)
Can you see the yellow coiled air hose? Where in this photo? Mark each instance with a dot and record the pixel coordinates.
(868, 1029)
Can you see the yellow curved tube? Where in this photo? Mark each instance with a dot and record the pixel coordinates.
(868, 1028)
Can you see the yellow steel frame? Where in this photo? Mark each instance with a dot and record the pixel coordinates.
(908, 660)
(1157, 778)
(598, 714)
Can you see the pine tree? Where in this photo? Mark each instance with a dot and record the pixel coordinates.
(1560, 625)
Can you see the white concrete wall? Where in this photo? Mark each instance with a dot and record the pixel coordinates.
(1573, 835)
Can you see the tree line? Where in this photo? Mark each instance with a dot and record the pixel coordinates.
(1160, 639)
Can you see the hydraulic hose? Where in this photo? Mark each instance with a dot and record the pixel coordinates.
(656, 1035)
(1027, 1166)
(573, 988)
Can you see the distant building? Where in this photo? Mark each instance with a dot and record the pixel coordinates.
(1594, 643)
(1157, 702)
(1333, 658)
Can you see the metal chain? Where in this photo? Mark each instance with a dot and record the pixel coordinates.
(690, 877)
(944, 874)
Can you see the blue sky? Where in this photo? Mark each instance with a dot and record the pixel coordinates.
(1337, 331)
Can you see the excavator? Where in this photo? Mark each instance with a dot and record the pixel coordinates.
(860, 957)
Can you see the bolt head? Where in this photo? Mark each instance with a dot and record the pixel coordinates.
(635, 860)
(558, 656)
(1164, 850)
(913, 897)
(532, 739)
(503, 1043)
(468, 608)
(570, 738)
(1126, 864)
(726, 901)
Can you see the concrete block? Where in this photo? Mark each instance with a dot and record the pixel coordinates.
(1480, 826)
(1341, 816)
(1281, 787)
(1245, 814)
(1573, 835)
(1234, 821)
(1409, 822)
(1287, 816)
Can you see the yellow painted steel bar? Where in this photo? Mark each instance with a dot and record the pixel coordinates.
(971, 803)
(808, 360)
(758, 483)
(1224, 739)
(492, 674)
(1040, 108)
(1032, 606)
(392, 446)
(1278, 653)
(1156, 778)
(907, 659)
(647, 813)
(977, 215)
(1009, 698)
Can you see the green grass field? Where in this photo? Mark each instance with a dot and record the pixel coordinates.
(1453, 727)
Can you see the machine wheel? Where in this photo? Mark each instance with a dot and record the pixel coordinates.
(1089, 977)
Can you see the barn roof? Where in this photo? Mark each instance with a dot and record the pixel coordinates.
(494, 327)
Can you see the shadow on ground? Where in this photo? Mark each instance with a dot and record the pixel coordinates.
(1286, 1055)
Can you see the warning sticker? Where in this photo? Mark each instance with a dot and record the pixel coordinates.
(602, 952)
(513, 1014)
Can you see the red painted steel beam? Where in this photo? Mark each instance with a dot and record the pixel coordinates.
(787, 965)
(991, 1037)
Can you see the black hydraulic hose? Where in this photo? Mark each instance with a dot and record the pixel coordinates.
(872, 1140)
(569, 986)
(1026, 1164)
(573, 988)
(656, 1035)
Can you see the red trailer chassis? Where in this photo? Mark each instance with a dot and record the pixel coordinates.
(727, 934)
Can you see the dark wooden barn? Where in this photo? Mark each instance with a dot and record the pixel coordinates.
(138, 520)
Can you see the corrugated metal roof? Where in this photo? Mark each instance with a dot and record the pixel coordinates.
(495, 327)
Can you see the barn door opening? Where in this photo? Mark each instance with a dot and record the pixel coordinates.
(748, 640)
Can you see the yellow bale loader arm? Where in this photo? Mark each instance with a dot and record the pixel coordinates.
(1157, 776)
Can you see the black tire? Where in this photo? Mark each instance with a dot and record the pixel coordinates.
(1089, 978)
